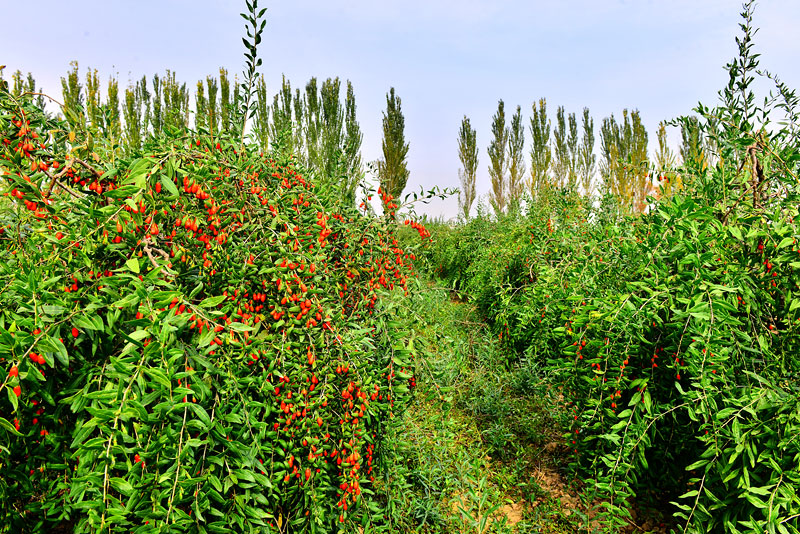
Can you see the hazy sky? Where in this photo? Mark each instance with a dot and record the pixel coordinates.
(445, 58)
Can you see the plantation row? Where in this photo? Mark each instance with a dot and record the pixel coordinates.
(194, 339)
(674, 335)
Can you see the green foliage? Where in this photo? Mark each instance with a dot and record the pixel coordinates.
(516, 159)
(541, 154)
(673, 334)
(353, 165)
(586, 157)
(261, 119)
(193, 339)
(624, 166)
(468, 154)
(498, 162)
(393, 167)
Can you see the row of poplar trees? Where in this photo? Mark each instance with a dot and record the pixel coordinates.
(562, 156)
(318, 124)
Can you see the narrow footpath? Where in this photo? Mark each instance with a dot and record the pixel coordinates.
(481, 447)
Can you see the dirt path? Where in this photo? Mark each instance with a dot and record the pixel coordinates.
(482, 445)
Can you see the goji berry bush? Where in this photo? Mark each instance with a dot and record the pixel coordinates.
(193, 339)
(672, 335)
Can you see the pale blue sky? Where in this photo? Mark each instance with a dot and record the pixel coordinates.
(445, 58)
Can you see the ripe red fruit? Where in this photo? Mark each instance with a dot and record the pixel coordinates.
(13, 372)
(59, 235)
(75, 332)
(17, 391)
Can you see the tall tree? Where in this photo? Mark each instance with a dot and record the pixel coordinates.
(352, 146)
(212, 108)
(136, 112)
(468, 154)
(226, 103)
(624, 167)
(498, 164)
(313, 124)
(586, 157)
(299, 111)
(541, 154)
(111, 109)
(73, 98)
(332, 133)
(692, 149)
(393, 168)
(282, 114)
(261, 123)
(201, 107)
(18, 83)
(93, 100)
(157, 119)
(176, 102)
(572, 152)
(516, 158)
(21, 84)
(665, 163)
(561, 149)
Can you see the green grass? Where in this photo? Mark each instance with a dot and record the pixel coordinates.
(480, 449)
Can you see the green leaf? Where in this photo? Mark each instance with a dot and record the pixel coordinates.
(212, 302)
(121, 485)
(12, 397)
(133, 265)
(170, 185)
(58, 348)
(8, 426)
(83, 322)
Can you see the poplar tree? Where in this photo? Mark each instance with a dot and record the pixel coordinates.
(313, 124)
(332, 133)
(299, 111)
(136, 112)
(93, 101)
(282, 114)
(261, 123)
(22, 84)
(665, 163)
(541, 154)
(639, 163)
(212, 109)
(31, 88)
(498, 164)
(692, 147)
(393, 168)
(175, 108)
(468, 154)
(516, 159)
(111, 109)
(158, 111)
(201, 107)
(586, 157)
(226, 104)
(561, 149)
(18, 84)
(572, 153)
(352, 146)
(72, 93)
(624, 164)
